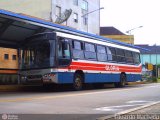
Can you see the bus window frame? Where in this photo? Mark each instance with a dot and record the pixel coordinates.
(111, 61)
(101, 53)
(129, 63)
(59, 38)
(138, 58)
(92, 59)
(118, 55)
(72, 49)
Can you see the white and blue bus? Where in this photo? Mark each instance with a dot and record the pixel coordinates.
(64, 58)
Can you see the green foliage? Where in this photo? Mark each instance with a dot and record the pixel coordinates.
(158, 66)
(154, 79)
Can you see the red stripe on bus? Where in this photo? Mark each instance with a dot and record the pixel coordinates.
(102, 67)
(94, 66)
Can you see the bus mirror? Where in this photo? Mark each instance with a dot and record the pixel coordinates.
(65, 45)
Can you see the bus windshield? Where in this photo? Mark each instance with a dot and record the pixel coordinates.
(38, 55)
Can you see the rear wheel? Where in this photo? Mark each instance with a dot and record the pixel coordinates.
(122, 82)
(78, 82)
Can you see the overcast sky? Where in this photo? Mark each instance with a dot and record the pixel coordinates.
(128, 14)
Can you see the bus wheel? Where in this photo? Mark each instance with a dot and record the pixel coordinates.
(122, 82)
(78, 82)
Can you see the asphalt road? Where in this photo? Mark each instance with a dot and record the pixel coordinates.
(86, 104)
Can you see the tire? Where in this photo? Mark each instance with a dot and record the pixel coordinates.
(122, 82)
(78, 82)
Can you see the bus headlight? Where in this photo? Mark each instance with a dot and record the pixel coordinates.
(23, 78)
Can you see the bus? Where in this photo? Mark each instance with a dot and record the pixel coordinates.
(65, 58)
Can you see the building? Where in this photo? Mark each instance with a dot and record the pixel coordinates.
(37, 8)
(150, 60)
(8, 58)
(52, 9)
(8, 66)
(113, 33)
(152, 56)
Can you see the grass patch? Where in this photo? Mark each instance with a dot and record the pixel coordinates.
(158, 80)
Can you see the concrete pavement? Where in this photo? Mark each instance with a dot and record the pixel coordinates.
(147, 112)
(87, 104)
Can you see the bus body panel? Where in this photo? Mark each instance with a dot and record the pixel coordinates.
(101, 78)
(65, 77)
(133, 77)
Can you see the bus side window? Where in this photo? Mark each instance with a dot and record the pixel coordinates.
(111, 52)
(136, 57)
(90, 51)
(101, 53)
(64, 57)
(129, 56)
(63, 49)
(77, 47)
(120, 55)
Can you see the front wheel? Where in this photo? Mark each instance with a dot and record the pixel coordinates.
(122, 82)
(78, 82)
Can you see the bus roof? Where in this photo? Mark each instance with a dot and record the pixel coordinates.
(32, 21)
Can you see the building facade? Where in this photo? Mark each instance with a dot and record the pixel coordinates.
(152, 56)
(79, 19)
(8, 58)
(8, 66)
(82, 18)
(36, 8)
(150, 60)
(113, 33)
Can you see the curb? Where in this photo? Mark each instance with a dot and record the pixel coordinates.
(137, 83)
(10, 87)
(128, 111)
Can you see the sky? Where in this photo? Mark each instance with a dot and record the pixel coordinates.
(127, 14)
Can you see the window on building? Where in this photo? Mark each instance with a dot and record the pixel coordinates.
(14, 57)
(84, 5)
(85, 19)
(77, 49)
(76, 17)
(58, 11)
(90, 51)
(75, 2)
(6, 56)
(101, 53)
(84, 12)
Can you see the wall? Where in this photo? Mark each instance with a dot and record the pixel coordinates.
(123, 38)
(37, 8)
(93, 18)
(10, 64)
(150, 58)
